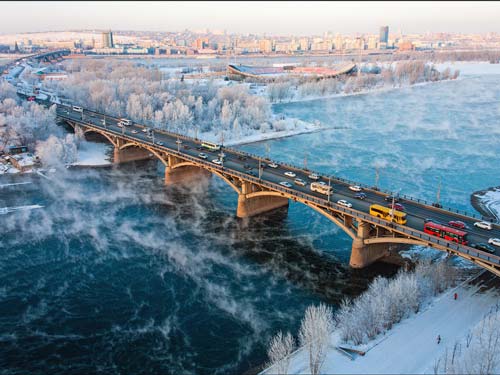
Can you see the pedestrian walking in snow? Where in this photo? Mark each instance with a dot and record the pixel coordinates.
(455, 296)
(438, 339)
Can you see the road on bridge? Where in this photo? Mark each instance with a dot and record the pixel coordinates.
(233, 160)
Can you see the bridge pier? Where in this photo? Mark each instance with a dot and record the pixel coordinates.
(248, 207)
(130, 154)
(185, 174)
(362, 255)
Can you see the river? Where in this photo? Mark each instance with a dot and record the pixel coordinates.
(118, 274)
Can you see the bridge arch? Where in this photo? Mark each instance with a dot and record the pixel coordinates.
(91, 130)
(329, 216)
(213, 171)
(153, 151)
(320, 210)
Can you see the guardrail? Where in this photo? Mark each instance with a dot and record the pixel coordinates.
(334, 179)
(494, 259)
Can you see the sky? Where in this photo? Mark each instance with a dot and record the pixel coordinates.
(270, 17)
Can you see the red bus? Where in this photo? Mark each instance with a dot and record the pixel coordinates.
(450, 234)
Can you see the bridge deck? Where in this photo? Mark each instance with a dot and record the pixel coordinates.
(234, 166)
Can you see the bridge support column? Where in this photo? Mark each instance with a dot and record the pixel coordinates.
(363, 255)
(248, 207)
(185, 174)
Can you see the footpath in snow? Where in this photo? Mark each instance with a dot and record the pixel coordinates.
(411, 346)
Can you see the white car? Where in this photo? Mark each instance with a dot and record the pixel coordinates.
(355, 188)
(483, 225)
(299, 181)
(286, 184)
(159, 143)
(344, 203)
(273, 165)
(120, 125)
(134, 131)
(313, 176)
(217, 161)
(290, 174)
(144, 130)
(202, 155)
(494, 241)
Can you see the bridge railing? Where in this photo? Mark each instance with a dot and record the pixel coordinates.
(364, 186)
(334, 179)
(324, 203)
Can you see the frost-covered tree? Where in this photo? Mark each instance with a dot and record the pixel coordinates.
(479, 353)
(314, 334)
(279, 351)
(56, 151)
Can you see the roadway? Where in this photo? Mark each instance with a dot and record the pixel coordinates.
(416, 212)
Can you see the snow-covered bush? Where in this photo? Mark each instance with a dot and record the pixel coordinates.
(280, 348)
(388, 301)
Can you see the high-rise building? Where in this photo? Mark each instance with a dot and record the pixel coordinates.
(384, 34)
(107, 40)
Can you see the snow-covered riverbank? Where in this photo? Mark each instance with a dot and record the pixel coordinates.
(410, 347)
(93, 154)
(487, 202)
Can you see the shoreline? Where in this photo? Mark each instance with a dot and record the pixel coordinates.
(362, 92)
(481, 207)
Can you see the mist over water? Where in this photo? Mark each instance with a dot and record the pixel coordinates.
(117, 273)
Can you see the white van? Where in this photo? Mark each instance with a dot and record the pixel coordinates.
(126, 121)
(77, 109)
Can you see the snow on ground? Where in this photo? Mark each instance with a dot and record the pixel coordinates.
(93, 154)
(411, 347)
(491, 200)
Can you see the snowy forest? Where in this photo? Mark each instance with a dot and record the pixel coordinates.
(125, 89)
(398, 74)
(373, 313)
(33, 125)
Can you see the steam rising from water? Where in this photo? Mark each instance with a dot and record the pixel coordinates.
(115, 263)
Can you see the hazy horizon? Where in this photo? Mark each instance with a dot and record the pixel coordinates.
(273, 18)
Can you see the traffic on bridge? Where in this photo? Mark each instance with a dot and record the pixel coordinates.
(370, 217)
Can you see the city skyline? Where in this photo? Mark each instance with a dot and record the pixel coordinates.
(299, 18)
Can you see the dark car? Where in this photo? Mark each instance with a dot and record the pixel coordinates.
(429, 220)
(457, 224)
(484, 247)
(389, 198)
(247, 167)
(186, 147)
(360, 196)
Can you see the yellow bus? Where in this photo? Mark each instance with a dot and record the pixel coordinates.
(210, 146)
(385, 213)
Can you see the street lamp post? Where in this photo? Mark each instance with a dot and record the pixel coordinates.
(260, 170)
(178, 145)
(329, 188)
